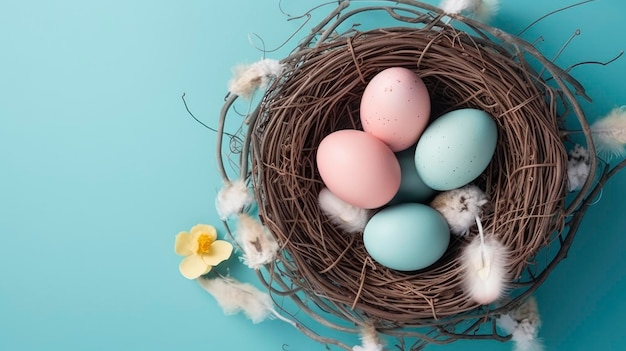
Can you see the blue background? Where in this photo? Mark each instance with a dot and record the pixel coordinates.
(100, 167)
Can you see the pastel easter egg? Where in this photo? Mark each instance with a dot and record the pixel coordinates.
(395, 107)
(456, 148)
(406, 237)
(358, 168)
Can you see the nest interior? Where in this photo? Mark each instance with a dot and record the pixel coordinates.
(320, 93)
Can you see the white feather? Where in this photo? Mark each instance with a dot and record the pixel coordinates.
(482, 10)
(234, 297)
(506, 323)
(248, 78)
(349, 218)
(460, 207)
(486, 9)
(484, 262)
(577, 167)
(523, 324)
(370, 341)
(609, 133)
(259, 246)
(525, 343)
(232, 198)
(458, 6)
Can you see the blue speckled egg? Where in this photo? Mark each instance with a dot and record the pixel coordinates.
(456, 148)
(406, 237)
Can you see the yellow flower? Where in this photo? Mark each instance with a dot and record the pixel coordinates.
(201, 250)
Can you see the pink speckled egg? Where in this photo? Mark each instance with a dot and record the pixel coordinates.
(358, 168)
(395, 107)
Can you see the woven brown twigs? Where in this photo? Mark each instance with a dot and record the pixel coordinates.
(328, 273)
(526, 180)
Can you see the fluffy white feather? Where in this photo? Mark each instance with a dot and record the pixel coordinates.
(457, 6)
(460, 207)
(234, 297)
(577, 167)
(349, 218)
(369, 340)
(484, 262)
(232, 198)
(486, 9)
(248, 78)
(523, 324)
(609, 133)
(482, 10)
(259, 246)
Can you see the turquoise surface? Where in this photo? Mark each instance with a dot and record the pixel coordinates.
(101, 166)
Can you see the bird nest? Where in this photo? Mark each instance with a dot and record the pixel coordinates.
(329, 273)
(526, 179)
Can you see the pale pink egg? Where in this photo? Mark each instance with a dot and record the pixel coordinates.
(358, 168)
(395, 107)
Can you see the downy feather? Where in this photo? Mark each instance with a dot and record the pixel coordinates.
(248, 78)
(484, 267)
(259, 246)
(457, 6)
(486, 9)
(523, 324)
(609, 133)
(370, 341)
(577, 168)
(482, 10)
(349, 218)
(460, 207)
(232, 198)
(234, 297)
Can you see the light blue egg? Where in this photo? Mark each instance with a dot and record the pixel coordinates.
(456, 148)
(412, 188)
(406, 237)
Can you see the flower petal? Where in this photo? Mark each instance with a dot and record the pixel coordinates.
(184, 244)
(220, 251)
(193, 266)
(199, 229)
(208, 269)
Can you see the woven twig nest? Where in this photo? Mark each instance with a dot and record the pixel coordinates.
(526, 179)
(479, 67)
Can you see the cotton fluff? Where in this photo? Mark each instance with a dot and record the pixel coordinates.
(248, 78)
(350, 219)
(234, 297)
(484, 263)
(482, 10)
(460, 207)
(369, 340)
(609, 133)
(232, 198)
(577, 168)
(523, 324)
(259, 246)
